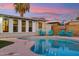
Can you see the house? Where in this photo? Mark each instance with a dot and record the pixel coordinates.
(16, 24)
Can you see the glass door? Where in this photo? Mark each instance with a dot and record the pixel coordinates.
(5, 25)
(15, 25)
(30, 26)
(23, 25)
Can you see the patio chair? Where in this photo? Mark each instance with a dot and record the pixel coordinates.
(41, 32)
(50, 32)
(62, 33)
(69, 33)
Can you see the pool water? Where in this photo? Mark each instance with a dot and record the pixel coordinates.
(59, 47)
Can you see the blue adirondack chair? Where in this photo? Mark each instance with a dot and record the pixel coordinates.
(41, 32)
(69, 33)
(50, 32)
(62, 33)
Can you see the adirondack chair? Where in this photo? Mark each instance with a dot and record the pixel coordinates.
(41, 32)
(50, 32)
(62, 33)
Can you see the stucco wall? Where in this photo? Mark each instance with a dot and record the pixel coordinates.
(74, 28)
(56, 28)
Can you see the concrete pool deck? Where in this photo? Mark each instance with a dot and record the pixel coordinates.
(22, 47)
(19, 48)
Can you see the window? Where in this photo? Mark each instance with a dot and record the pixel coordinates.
(15, 25)
(40, 25)
(5, 25)
(23, 25)
(30, 26)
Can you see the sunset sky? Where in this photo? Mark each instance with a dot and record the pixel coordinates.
(50, 11)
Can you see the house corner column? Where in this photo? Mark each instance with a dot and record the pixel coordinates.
(27, 26)
(1, 23)
(19, 25)
(10, 25)
(34, 26)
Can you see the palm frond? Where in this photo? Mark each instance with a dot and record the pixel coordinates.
(22, 7)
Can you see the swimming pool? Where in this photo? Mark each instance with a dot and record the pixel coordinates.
(60, 47)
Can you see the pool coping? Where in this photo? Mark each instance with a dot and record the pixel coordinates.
(50, 37)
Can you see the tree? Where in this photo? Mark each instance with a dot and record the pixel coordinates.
(22, 8)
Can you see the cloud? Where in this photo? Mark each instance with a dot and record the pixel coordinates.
(47, 10)
(54, 12)
(42, 10)
(6, 6)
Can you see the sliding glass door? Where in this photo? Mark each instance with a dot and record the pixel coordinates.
(15, 25)
(23, 25)
(30, 26)
(40, 25)
(5, 25)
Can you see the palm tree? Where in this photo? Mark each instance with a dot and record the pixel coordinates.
(22, 8)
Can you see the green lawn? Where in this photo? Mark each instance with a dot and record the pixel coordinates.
(5, 43)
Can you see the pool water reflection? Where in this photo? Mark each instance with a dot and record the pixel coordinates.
(56, 47)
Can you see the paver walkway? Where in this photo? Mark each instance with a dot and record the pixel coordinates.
(19, 48)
